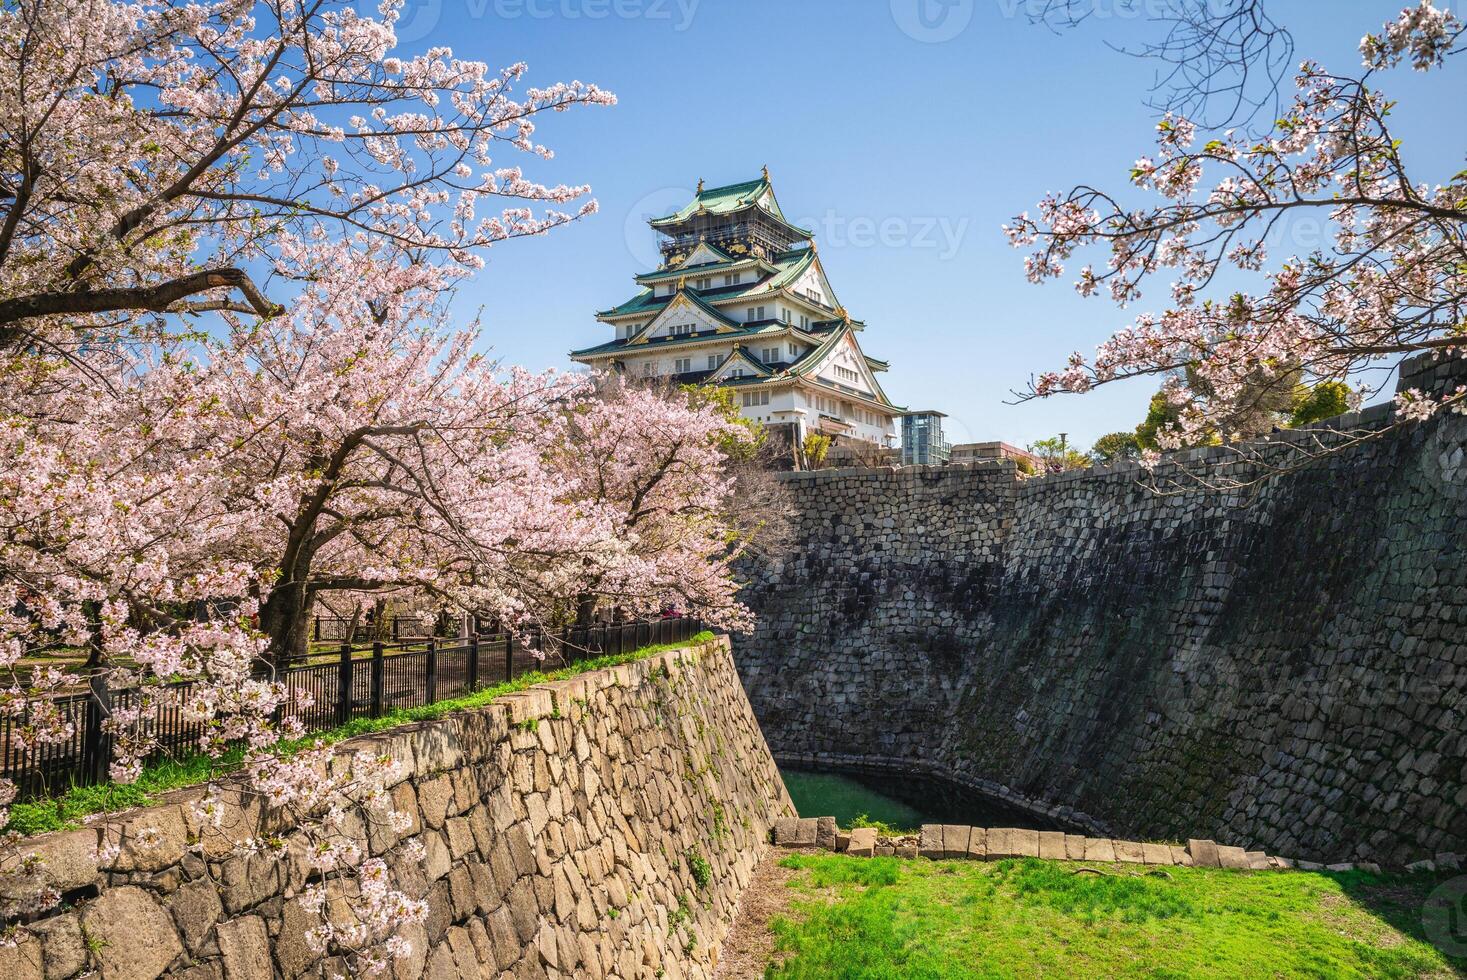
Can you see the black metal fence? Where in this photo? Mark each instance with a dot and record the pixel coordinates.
(341, 686)
(333, 629)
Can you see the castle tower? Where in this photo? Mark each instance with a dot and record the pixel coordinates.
(741, 300)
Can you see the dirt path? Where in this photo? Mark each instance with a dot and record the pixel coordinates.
(750, 944)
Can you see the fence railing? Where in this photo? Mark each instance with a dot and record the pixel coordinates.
(341, 686)
(328, 629)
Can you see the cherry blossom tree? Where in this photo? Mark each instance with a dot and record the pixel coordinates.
(153, 152)
(1393, 283)
(387, 454)
(223, 166)
(663, 468)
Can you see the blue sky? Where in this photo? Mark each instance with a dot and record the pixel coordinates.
(905, 149)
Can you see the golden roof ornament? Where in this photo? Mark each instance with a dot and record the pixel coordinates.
(766, 171)
(700, 185)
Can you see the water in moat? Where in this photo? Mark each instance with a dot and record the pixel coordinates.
(902, 800)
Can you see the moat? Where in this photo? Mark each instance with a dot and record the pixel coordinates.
(901, 799)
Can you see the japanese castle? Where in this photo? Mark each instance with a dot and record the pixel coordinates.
(741, 300)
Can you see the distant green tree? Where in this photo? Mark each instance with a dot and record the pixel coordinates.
(1160, 413)
(1322, 401)
(1115, 446)
(1058, 457)
(815, 448)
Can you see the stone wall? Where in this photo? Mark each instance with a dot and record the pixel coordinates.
(1283, 667)
(562, 828)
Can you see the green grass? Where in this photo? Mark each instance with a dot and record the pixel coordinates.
(66, 810)
(870, 918)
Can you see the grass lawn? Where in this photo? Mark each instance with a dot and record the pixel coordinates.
(878, 918)
(66, 810)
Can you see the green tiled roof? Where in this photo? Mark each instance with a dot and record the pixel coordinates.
(729, 199)
(706, 269)
(641, 303)
(789, 267)
(720, 200)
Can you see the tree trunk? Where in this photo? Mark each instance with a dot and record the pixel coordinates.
(285, 619)
(585, 610)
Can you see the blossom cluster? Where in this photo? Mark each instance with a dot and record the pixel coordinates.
(1393, 282)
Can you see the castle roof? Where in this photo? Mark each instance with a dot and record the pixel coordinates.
(787, 266)
(729, 199)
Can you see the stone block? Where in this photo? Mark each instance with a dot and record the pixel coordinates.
(1129, 852)
(978, 844)
(63, 947)
(1052, 845)
(70, 859)
(1257, 861)
(1099, 849)
(196, 907)
(784, 830)
(825, 833)
(1157, 854)
(528, 705)
(1204, 853)
(863, 842)
(955, 841)
(929, 840)
(1074, 847)
(805, 831)
(1180, 856)
(135, 937)
(1232, 857)
(23, 961)
(244, 944)
(1025, 843)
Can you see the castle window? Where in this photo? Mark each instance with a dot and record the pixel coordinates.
(683, 365)
(712, 361)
